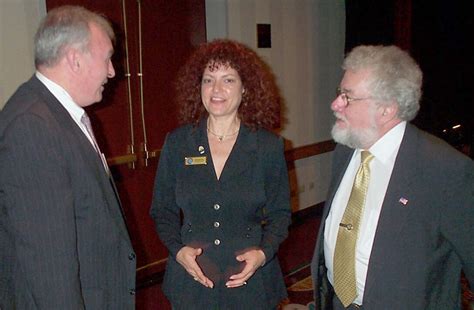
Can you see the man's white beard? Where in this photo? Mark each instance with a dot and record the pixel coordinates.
(355, 138)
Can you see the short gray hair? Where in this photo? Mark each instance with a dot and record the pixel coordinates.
(395, 76)
(66, 26)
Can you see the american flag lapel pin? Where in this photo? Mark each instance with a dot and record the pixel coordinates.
(403, 201)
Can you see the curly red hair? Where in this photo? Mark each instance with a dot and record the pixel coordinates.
(260, 105)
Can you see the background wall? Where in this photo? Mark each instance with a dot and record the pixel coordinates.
(307, 50)
(18, 22)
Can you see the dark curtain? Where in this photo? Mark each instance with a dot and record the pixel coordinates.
(437, 34)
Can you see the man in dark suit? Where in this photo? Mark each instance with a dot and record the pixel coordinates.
(397, 229)
(63, 239)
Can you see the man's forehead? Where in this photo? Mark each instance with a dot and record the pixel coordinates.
(355, 78)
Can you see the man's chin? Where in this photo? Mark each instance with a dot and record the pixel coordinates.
(354, 139)
(98, 98)
(340, 135)
(344, 136)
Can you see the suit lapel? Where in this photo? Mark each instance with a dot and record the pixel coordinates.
(342, 158)
(395, 208)
(243, 155)
(324, 293)
(67, 123)
(88, 152)
(197, 145)
(241, 158)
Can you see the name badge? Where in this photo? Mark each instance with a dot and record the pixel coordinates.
(200, 160)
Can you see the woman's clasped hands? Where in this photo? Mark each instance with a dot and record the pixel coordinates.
(253, 259)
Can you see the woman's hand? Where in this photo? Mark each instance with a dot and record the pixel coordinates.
(253, 259)
(187, 258)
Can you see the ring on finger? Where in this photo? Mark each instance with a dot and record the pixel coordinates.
(245, 283)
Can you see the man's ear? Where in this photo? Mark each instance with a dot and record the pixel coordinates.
(73, 59)
(389, 111)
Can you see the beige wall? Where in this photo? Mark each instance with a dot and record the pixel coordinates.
(18, 22)
(307, 50)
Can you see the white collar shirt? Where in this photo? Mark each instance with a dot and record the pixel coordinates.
(385, 151)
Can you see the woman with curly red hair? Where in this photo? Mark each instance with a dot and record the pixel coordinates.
(221, 200)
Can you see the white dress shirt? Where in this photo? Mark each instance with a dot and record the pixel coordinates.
(385, 151)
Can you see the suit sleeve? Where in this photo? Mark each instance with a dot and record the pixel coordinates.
(164, 210)
(458, 214)
(40, 211)
(277, 212)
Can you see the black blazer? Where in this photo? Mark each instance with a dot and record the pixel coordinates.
(421, 246)
(63, 240)
(253, 188)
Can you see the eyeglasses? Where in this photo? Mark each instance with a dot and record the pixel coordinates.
(346, 98)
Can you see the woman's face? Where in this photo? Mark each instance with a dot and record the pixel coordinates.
(221, 91)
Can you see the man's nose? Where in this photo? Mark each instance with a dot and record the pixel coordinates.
(338, 103)
(111, 71)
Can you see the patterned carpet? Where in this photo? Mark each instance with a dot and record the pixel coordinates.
(300, 290)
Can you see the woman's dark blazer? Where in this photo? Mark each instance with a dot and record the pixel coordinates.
(247, 207)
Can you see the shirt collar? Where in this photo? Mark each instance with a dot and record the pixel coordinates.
(63, 97)
(386, 148)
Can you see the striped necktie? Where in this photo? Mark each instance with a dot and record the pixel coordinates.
(85, 120)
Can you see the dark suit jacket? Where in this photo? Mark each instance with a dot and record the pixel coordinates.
(419, 248)
(253, 187)
(63, 240)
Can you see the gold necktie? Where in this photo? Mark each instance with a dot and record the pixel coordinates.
(344, 253)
